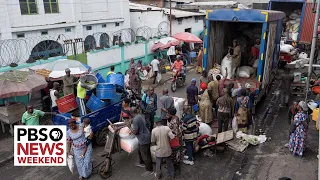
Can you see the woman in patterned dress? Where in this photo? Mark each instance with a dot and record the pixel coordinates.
(76, 138)
(174, 125)
(298, 133)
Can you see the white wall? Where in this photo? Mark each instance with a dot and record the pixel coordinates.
(17, 20)
(187, 23)
(103, 58)
(148, 18)
(134, 50)
(153, 18)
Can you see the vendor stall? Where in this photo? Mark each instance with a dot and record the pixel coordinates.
(13, 84)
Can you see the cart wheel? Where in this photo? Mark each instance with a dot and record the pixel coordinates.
(101, 137)
(105, 170)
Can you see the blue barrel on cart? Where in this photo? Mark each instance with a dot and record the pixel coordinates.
(117, 79)
(95, 103)
(106, 91)
(100, 78)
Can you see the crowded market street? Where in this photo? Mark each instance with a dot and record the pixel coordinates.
(255, 163)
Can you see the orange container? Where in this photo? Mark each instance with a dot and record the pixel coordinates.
(316, 89)
(67, 103)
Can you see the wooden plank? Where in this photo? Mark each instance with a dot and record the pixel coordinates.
(224, 136)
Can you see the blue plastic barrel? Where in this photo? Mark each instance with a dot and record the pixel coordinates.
(95, 103)
(106, 91)
(100, 78)
(117, 79)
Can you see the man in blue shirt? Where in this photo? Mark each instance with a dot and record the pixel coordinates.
(192, 93)
(149, 107)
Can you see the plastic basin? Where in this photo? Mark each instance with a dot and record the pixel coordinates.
(95, 103)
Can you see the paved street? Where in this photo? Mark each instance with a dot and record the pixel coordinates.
(270, 160)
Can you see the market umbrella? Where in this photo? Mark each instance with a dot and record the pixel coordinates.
(58, 68)
(20, 83)
(165, 43)
(187, 37)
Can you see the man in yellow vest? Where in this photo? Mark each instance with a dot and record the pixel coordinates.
(111, 71)
(81, 94)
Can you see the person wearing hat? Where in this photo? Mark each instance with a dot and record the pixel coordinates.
(235, 54)
(69, 81)
(81, 94)
(160, 137)
(192, 93)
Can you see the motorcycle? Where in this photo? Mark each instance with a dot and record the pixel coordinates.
(134, 97)
(178, 79)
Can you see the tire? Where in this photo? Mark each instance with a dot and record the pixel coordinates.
(105, 170)
(102, 136)
(174, 86)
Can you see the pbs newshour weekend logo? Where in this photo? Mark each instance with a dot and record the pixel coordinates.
(40, 145)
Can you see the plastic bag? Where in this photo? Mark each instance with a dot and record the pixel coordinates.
(205, 129)
(70, 163)
(159, 77)
(234, 124)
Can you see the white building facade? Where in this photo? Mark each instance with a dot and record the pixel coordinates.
(157, 20)
(31, 22)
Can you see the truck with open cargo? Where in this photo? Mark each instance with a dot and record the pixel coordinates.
(224, 25)
(299, 20)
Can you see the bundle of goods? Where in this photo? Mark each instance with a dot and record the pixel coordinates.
(128, 141)
(178, 104)
(215, 70)
(245, 71)
(302, 59)
(227, 63)
(292, 22)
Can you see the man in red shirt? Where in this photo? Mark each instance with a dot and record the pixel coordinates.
(178, 64)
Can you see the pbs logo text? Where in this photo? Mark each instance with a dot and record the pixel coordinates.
(40, 145)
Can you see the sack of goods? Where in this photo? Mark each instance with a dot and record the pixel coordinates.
(292, 22)
(245, 71)
(227, 63)
(204, 129)
(286, 48)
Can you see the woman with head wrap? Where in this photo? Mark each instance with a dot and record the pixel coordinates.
(205, 106)
(76, 138)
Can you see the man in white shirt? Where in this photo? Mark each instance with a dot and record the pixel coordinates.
(54, 95)
(155, 67)
(172, 53)
(161, 136)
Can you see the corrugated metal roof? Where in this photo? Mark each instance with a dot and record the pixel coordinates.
(175, 13)
(307, 24)
(211, 4)
(245, 15)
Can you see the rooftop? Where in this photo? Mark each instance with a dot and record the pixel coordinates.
(176, 13)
